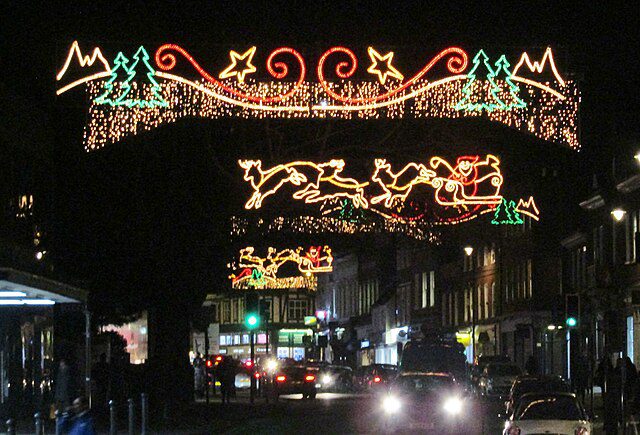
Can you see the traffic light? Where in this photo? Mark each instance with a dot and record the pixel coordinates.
(572, 310)
(252, 313)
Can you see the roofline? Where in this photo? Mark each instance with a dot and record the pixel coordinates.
(42, 283)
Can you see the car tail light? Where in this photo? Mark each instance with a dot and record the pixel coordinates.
(377, 379)
(219, 358)
(257, 375)
(310, 378)
(209, 363)
(513, 430)
(582, 431)
(281, 378)
(248, 364)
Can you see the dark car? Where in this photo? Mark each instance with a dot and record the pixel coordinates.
(335, 378)
(375, 376)
(423, 401)
(297, 379)
(534, 384)
(482, 362)
(440, 357)
(497, 379)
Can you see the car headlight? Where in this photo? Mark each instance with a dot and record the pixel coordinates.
(272, 365)
(327, 379)
(453, 405)
(391, 404)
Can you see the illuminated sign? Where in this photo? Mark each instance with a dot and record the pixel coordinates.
(134, 94)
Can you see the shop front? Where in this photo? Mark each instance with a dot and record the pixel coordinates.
(42, 322)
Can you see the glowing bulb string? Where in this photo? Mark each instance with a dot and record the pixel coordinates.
(167, 61)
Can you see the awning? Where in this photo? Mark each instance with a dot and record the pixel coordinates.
(22, 288)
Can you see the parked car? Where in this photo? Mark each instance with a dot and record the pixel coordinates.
(497, 379)
(482, 362)
(297, 379)
(558, 413)
(375, 376)
(534, 384)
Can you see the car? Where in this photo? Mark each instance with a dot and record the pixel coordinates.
(497, 378)
(296, 379)
(534, 384)
(336, 378)
(375, 377)
(482, 362)
(558, 413)
(424, 401)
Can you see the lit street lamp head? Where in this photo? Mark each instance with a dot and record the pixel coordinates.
(468, 250)
(618, 214)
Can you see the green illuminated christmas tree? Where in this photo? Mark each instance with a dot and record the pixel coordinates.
(476, 95)
(120, 67)
(508, 96)
(349, 213)
(506, 214)
(144, 73)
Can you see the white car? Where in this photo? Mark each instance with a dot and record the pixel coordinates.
(557, 413)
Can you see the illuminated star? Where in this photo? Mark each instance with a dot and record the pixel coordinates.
(235, 57)
(390, 70)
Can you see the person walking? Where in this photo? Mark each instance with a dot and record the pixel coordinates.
(63, 385)
(76, 419)
(224, 371)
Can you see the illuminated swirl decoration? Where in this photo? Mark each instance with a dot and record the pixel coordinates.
(531, 97)
(464, 190)
(252, 271)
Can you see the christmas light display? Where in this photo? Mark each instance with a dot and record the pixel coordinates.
(230, 71)
(84, 62)
(261, 272)
(528, 208)
(441, 89)
(389, 71)
(471, 181)
(506, 214)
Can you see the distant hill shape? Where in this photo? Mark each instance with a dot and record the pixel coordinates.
(79, 68)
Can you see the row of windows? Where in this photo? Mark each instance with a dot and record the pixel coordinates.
(233, 310)
(480, 258)
(518, 281)
(356, 299)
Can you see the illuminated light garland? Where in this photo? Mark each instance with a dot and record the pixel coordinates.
(292, 282)
(167, 61)
(473, 100)
(550, 112)
(528, 208)
(230, 71)
(391, 71)
(83, 61)
(538, 66)
(456, 64)
(506, 213)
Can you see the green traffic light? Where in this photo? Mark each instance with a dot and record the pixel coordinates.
(571, 321)
(252, 321)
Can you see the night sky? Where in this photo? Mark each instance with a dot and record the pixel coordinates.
(141, 215)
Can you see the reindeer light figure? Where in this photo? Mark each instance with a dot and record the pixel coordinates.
(398, 186)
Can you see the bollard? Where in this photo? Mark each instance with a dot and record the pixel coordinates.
(132, 421)
(39, 426)
(11, 427)
(58, 417)
(144, 411)
(113, 425)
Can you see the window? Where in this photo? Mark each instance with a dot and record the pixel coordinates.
(226, 312)
(428, 290)
(598, 245)
(494, 301)
(487, 302)
(478, 306)
(530, 279)
(297, 309)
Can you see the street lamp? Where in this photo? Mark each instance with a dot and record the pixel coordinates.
(468, 250)
(637, 157)
(618, 214)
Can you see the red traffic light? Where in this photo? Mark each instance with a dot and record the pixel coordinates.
(248, 364)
